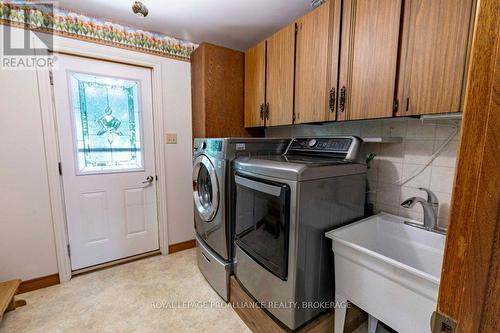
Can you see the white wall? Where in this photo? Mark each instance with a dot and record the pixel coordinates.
(398, 160)
(177, 104)
(27, 247)
(26, 231)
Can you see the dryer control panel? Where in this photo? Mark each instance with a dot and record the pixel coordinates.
(337, 145)
(348, 148)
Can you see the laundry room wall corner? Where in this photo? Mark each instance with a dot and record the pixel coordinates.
(176, 79)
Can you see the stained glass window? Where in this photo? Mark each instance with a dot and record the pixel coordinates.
(107, 123)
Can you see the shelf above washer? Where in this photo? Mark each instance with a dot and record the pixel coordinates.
(384, 139)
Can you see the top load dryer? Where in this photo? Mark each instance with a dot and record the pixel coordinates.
(284, 205)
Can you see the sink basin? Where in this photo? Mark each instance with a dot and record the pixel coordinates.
(389, 269)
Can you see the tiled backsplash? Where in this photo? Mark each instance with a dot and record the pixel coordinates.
(396, 161)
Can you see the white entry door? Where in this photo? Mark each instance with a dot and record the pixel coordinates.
(105, 128)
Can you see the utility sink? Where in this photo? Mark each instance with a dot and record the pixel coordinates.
(389, 269)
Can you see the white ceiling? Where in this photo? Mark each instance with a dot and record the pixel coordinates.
(237, 24)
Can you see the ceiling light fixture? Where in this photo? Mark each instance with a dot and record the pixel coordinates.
(316, 3)
(140, 9)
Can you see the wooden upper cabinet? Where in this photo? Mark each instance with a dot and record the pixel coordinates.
(255, 84)
(434, 48)
(370, 36)
(217, 92)
(312, 82)
(280, 77)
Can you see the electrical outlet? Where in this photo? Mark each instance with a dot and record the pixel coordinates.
(171, 138)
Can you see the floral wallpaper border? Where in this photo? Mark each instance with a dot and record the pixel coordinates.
(43, 18)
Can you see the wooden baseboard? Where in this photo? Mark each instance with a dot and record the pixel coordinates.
(38, 283)
(181, 246)
(259, 320)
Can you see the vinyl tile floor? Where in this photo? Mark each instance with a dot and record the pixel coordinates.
(156, 294)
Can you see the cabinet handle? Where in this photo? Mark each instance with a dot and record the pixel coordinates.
(262, 111)
(332, 100)
(266, 111)
(342, 99)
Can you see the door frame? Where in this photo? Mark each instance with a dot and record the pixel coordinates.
(52, 153)
(469, 289)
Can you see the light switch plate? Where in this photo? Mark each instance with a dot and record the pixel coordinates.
(171, 138)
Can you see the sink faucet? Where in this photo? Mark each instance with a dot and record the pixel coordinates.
(430, 207)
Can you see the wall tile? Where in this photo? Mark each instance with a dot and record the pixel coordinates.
(421, 180)
(444, 204)
(388, 194)
(448, 156)
(386, 208)
(410, 214)
(445, 129)
(330, 130)
(416, 129)
(372, 172)
(372, 195)
(389, 172)
(394, 127)
(442, 179)
(392, 152)
(280, 131)
(352, 128)
(443, 222)
(418, 152)
(370, 129)
(393, 161)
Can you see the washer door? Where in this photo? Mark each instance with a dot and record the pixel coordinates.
(205, 188)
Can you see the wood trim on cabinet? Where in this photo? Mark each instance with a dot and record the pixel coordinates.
(198, 92)
(38, 283)
(345, 63)
(470, 271)
(334, 55)
(177, 247)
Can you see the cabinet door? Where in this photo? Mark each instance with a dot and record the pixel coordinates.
(434, 51)
(311, 69)
(280, 76)
(368, 58)
(333, 57)
(255, 84)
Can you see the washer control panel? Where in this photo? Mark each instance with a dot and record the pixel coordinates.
(326, 145)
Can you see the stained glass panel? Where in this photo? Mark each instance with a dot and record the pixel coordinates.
(107, 123)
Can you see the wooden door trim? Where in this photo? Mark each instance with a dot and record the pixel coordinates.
(474, 216)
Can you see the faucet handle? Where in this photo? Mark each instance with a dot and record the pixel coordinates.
(431, 197)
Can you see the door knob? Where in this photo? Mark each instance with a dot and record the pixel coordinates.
(149, 180)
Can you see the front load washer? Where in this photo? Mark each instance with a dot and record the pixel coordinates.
(284, 206)
(213, 184)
